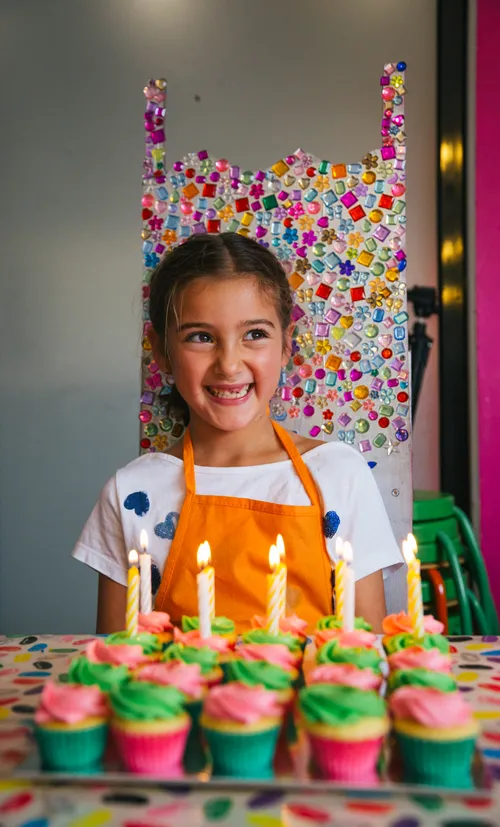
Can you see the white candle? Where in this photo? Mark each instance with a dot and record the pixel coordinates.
(204, 582)
(348, 619)
(145, 566)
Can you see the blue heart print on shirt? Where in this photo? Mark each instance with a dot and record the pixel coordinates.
(331, 522)
(138, 502)
(155, 578)
(166, 529)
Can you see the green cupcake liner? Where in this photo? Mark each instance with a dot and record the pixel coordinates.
(72, 750)
(437, 763)
(243, 755)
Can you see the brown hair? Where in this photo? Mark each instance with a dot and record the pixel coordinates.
(224, 255)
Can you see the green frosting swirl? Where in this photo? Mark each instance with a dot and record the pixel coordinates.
(331, 622)
(422, 678)
(150, 643)
(143, 701)
(331, 652)
(207, 658)
(220, 625)
(259, 673)
(263, 636)
(104, 675)
(324, 703)
(397, 643)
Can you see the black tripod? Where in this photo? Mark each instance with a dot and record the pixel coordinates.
(424, 305)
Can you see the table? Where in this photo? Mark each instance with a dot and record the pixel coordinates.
(27, 661)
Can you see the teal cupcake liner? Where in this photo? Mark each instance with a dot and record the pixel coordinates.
(195, 754)
(243, 755)
(437, 763)
(72, 750)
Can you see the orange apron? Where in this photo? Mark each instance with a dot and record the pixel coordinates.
(240, 532)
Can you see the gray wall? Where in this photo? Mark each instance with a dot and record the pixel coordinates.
(271, 76)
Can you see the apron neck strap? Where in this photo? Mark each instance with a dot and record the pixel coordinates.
(188, 459)
(301, 468)
(288, 444)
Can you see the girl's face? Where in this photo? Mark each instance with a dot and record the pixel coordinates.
(225, 347)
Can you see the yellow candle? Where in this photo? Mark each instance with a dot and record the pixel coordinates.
(282, 574)
(340, 580)
(415, 605)
(132, 594)
(348, 584)
(206, 590)
(273, 593)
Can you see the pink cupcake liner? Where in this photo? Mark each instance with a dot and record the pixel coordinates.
(148, 754)
(354, 762)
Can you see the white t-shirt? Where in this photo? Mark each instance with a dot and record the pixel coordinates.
(149, 492)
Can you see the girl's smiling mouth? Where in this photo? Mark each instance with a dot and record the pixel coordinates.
(230, 394)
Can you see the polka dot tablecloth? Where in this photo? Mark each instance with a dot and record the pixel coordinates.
(26, 662)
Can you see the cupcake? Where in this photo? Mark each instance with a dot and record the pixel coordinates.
(222, 626)
(346, 674)
(333, 622)
(417, 658)
(150, 643)
(260, 673)
(290, 624)
(436, 734)
(71, 727)
(346, 727)
(205, 657)
(276, 653)
(421, 678)
(158, 624)
(187, 678)
(116, 654)
(397, 643)
(103, 675)
(363, 658)
(259, 636)
(397, 624)
(241, 724)
(224, 646)
(150, 727)
(358, 639)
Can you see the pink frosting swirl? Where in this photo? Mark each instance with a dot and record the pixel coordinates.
(276, 653)
(395, 624)
(186, 677)
(216, 642)
(241, 703)
(417, 658)
(154, 622)
(292, 624)
(430, 707)
(98, 651)
(346, 674)
(70, 703)
(359, 639)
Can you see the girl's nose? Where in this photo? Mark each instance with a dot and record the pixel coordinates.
(228, 363)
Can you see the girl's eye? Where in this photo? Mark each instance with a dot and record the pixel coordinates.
(256, 334)
(199, 338)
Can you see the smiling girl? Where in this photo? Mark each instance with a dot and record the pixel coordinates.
(220, 308)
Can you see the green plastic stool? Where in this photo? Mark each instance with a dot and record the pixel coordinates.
(432, 505)
(444, 535)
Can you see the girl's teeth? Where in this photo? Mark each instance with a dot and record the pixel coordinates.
(230, 394)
